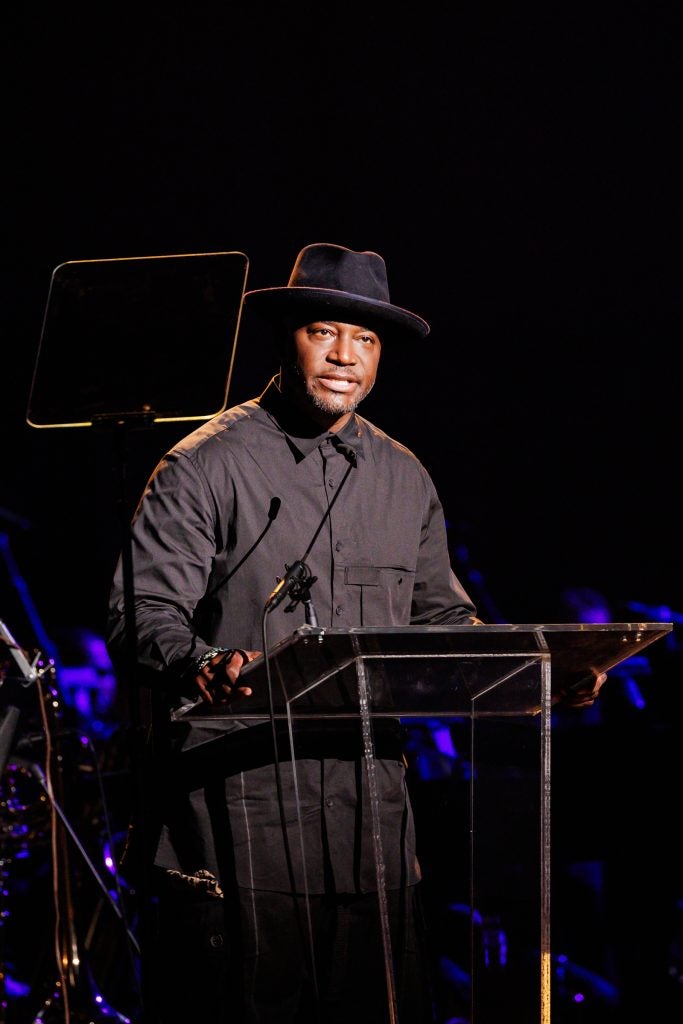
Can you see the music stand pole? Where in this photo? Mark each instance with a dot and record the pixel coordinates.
(139, 723)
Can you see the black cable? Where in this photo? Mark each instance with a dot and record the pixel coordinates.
(283, 818)
(296, 584)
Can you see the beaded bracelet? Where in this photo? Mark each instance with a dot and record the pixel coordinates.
(203, 660)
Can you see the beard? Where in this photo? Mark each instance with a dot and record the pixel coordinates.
(331, 403)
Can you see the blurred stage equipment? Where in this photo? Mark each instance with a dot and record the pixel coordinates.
(36, 833)
(127, 344)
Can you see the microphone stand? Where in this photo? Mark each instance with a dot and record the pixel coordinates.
(297, 585)
(309, 609)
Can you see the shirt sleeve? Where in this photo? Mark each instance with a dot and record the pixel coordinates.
(173, 544)
(439, 597)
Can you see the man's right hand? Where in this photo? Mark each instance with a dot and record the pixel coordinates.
(218, 680)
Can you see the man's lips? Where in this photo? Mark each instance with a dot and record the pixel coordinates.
(340, 384)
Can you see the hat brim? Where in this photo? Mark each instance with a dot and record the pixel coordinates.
(382, 317)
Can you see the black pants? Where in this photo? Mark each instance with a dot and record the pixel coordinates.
(339, 977)
(255, 964)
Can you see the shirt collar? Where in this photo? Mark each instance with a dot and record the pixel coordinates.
(303, 434)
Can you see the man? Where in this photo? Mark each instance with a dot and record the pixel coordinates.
(295, 476)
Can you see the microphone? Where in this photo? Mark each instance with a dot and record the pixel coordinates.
(296, 574)
(298, 580)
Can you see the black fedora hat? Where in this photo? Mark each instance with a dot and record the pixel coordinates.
(332, 282)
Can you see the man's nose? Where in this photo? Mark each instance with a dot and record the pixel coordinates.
(343, 351)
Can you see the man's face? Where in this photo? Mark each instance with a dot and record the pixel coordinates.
(333, 369)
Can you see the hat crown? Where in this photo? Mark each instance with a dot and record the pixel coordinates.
(331, 282)
(335, 268)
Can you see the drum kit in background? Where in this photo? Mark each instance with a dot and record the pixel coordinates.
(67, 950)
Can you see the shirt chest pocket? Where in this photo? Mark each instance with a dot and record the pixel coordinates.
(381, 594)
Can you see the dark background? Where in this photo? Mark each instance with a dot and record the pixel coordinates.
(520, 172)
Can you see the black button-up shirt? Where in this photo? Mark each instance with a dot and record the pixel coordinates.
(226, 510)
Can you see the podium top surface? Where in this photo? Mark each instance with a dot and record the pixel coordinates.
(461, 662)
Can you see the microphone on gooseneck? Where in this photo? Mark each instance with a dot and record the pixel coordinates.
(297, 581)
(297, 573)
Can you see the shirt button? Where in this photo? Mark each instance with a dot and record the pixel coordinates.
(338, 546)
(329, 803)
(338, 610)
(330, 483)
(216, 941)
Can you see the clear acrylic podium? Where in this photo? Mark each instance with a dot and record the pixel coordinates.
(476, 703)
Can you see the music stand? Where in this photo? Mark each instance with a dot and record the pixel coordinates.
(121, 339)
(130, 343)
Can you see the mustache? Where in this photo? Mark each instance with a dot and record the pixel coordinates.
(293, 367)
